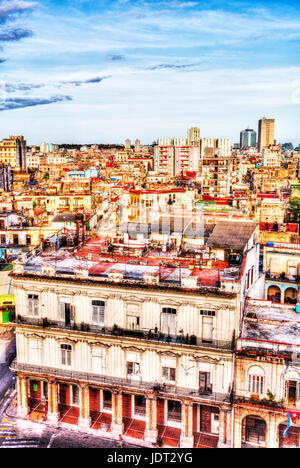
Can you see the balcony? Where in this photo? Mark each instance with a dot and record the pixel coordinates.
(126, 384)
(261, 403)
(282, 278)
(146, 335)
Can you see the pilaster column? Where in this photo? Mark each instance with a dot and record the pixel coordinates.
(151, 420)
(84, 420)
(190, 421)
(87, 402)
(120, 408)
(183, 420)
(187, 438)
(50, 398)
(238, 427)
(273, 441)
(154, 414)
(53, 411)
(114, 408)
(22, 409)
(117, 426)
(19, 391)
(148, 413)
(25, 408)
(223, 425)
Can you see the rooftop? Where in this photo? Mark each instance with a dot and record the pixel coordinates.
(231, 234)
(269, 325)
(90, 262)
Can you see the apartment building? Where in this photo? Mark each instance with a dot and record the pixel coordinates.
(146, 205)
(271, 157)
(13, 151)
(267, 377)
(174, 160)
(213, 146)
(130, 347)
(219, 174)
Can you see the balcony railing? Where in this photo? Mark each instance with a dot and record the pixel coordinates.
(149, 335)
(89, 377)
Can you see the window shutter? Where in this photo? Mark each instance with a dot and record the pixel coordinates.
(101, 314)
(164, 323)
(95, 315)
(72, 313)
(36, 306)
(62, 311)
(69, 357)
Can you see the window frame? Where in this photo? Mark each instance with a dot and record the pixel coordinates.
(256, 384)
(33, 305)
(170, 315)
(99, 310)
(167, 374)
(66, 351)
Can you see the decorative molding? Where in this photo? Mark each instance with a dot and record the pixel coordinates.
(169, 353)
(32, 289)
(169, 302)
(66, 340)
(115, 296)
(206, 359)
(208, 306)
(100, 344)
(65, 292)
(35, 336)
(133, 299)
(133, 349)
(95, 295)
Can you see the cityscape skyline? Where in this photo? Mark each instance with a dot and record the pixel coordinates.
(98, 70)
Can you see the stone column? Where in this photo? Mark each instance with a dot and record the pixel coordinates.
(50, 398)
(238, 427)
(117, 426)
(84, 420)
(187, 438)
(53, 415)
(273, 441)
(19, 392)
(22, 409)
(154, 414)
(151, 420)
(190, 421)
(223, 424)
(25, 408)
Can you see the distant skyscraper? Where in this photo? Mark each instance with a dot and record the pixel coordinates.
(127, 144)
(248, 138)
(137, 146)
(193, 135)
(265, 133)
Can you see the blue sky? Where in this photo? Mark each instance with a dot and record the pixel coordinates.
(104, 70)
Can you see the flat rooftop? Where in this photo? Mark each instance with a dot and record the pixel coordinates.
(270, 324)
(90, 257)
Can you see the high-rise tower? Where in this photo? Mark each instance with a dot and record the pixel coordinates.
(265, 133)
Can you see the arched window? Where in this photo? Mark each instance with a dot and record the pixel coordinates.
(256, 380)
